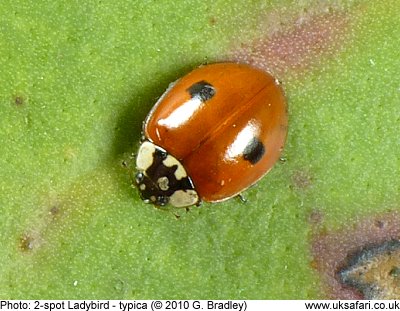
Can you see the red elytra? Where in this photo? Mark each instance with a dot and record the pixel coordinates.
(225, 122)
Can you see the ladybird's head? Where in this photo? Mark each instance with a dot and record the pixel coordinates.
(162, 179)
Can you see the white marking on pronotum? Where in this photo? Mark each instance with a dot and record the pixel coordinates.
(180, 171)
(182, 198)
(163, 183)
(145, 156)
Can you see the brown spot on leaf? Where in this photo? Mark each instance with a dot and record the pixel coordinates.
(302, 180)
(26, 242)
(296, 44)
(212, 21)
(34, 236)
(374, 271)
(55, 212)
(18, 100)
(70, 153)
(333, 250)
(380, 224)
(316, 217)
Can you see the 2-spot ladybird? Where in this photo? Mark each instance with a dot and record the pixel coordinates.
(211, 135)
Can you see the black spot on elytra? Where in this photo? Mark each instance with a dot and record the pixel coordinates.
(254, 151)
(203, 90)
(153, 173)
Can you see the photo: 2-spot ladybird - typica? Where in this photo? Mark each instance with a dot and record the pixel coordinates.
(211, 135)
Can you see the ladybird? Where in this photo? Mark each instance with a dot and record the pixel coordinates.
(211, 135)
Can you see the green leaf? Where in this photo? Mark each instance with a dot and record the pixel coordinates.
(78, 78)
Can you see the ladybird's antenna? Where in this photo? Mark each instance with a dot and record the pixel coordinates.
(127, 164)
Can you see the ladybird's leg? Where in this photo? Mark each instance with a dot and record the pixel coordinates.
(242, 198)
(177, 217)
(198, 204)
(132, 178)
(162, 208)
(126, 165)
(142, 136)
